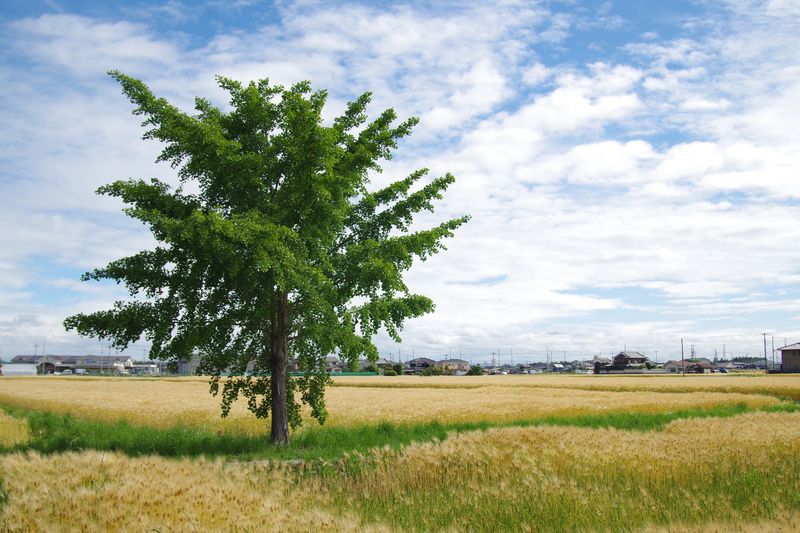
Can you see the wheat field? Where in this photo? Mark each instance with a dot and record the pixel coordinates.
(734, 474)
(738, 473)
(96, 491)
(13, 431)
(783, 385)
(733, 470)
(369, 400)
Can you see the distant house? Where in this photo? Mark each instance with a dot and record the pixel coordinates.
(52, 364)
(627, 363)
(705, 364)
(365, 365)
(106, 364)
(454, 366)
(629, 358)
(145, 368)
(333, 364)
(78, 364)
(790, 358)
(416, 366)
(537, 368)
(27, 359)
(691, 367)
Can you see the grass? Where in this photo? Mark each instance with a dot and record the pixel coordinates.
(55, 433)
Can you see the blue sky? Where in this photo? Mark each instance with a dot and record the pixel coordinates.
(631, 167)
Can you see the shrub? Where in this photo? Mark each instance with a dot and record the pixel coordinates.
(475, 370)
(389, 372)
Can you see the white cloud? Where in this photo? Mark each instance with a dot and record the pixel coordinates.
(87, 48)
(627, 201)
(536, 74)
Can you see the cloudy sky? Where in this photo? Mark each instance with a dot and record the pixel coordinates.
(632, 168)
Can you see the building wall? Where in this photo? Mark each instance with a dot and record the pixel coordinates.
(18, 369)
(791, 360)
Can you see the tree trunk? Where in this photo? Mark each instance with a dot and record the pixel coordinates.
(279, 362)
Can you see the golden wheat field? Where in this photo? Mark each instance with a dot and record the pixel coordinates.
(701, 464)
(784, 385)
(12, 430)
(369, 400)
(97, 491)
(733, 474)
(721, 473)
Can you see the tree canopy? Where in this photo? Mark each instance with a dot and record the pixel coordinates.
(283, 250)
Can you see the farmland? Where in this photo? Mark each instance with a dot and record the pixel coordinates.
(543, 453)
(362, 400)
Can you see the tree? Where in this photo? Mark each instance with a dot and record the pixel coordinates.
(475, 370)
(282, 250)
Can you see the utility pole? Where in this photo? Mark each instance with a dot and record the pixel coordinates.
(512, 356)
(765, 353)
(683, 364)
(773, 353)
(35, 350)
(656, 356)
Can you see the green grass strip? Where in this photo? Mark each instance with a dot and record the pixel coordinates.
(52, 433)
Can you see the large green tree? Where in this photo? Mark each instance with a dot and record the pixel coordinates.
(280, 251)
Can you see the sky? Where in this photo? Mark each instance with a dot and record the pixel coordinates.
(632, 169)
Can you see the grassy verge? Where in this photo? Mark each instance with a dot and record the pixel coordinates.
(50, 433)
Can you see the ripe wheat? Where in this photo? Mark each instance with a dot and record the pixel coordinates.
(166, 403)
